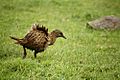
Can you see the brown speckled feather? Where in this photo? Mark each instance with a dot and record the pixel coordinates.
(38, 39)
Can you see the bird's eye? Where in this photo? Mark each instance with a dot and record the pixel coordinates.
(60, 33)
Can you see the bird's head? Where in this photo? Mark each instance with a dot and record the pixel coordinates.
(58, 33)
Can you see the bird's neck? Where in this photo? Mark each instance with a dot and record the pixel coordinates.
(52, 38)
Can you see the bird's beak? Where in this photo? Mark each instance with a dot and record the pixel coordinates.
(64, 37)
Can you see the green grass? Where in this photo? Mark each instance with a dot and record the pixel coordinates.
(86, 54)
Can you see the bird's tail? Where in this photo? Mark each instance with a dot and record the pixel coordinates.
(19, 41)
(14, 38)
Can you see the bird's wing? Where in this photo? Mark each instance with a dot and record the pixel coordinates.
(43, 29)
(37, 38)
(36, 28)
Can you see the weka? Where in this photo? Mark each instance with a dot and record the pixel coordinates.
(38, 39)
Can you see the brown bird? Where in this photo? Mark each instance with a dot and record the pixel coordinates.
(38, 39)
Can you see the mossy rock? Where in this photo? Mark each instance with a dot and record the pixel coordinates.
(107, 22)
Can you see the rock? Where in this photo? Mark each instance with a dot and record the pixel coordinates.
(107, 22)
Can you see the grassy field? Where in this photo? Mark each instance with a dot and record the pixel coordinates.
(86, 54)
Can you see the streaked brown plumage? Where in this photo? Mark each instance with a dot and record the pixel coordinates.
(38, 39)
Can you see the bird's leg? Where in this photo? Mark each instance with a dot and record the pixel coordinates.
(24, 54)
(35, 54)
